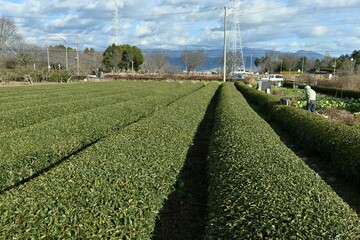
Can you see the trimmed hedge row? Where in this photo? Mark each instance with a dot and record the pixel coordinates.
(258, 188)
(338, 92)
(336, 142)
(30, 96)
(25, 152)
(33, 114)
(263, 101)
(113, 189)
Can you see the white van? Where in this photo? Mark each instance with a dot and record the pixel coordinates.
(274, 78)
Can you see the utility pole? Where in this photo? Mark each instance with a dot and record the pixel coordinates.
(94, 60)
(77, 54)
(66, 55)
(48, 58)
(225, 57)
(302, 65)
(251, 62)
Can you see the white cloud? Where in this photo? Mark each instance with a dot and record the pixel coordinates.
(288, 25)
(144, 29)
(319, 31)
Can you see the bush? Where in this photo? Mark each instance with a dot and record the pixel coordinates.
(262, 100)
(338, 143)
(26, 151)
(113, 189)
(259, 189)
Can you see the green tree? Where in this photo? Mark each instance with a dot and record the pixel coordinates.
(122, 57)
(356, 58)
(87, 50)
(263, 63)
(317, 64)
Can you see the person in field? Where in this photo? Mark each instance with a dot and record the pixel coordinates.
(310, 99)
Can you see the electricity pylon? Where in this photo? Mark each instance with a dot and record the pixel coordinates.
(236, 57)
(116, 33)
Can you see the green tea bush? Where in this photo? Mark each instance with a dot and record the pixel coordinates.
(338, 143)
(28, 113)
(27, 151)
(115, 188)
(262, 100)
(259, 189)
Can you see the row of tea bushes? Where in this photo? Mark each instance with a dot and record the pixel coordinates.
(24, 117)
(27, 97)
(27, 151)
(19, 116)
(115, 188)
(258, 188)
(336, 142)
(40, 95)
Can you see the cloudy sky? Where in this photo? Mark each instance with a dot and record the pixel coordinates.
(324, 26)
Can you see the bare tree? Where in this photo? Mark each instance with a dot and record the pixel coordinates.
(289, 61)
(346, 68)
(273, 57)
(24, 53)
(328, 61)
(156, 61)
(8, 34)
(193, 59)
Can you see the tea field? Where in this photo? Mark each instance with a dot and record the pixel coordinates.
(100, 160)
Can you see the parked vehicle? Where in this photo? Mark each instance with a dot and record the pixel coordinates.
(274, 78)
(236, 77)
(243, 72)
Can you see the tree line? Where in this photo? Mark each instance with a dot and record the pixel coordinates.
(17, 54)
(275, 61)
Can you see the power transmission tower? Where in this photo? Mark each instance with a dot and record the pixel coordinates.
(116, 33)
(236, 56)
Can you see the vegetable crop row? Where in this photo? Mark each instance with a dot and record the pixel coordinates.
(115, 188)
(352, 105)
(27, 151)
(337, 143)
(258, 188)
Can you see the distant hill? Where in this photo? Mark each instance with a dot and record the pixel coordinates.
(214, 57)
(310, 54)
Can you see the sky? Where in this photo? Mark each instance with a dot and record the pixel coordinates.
(323, 26)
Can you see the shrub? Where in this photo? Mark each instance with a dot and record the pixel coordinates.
(27, 151)
(259, 189)
(338, 143)
(113, 189)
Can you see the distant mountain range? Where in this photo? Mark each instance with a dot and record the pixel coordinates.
(213, 59)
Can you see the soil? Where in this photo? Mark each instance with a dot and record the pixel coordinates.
(339, 115)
